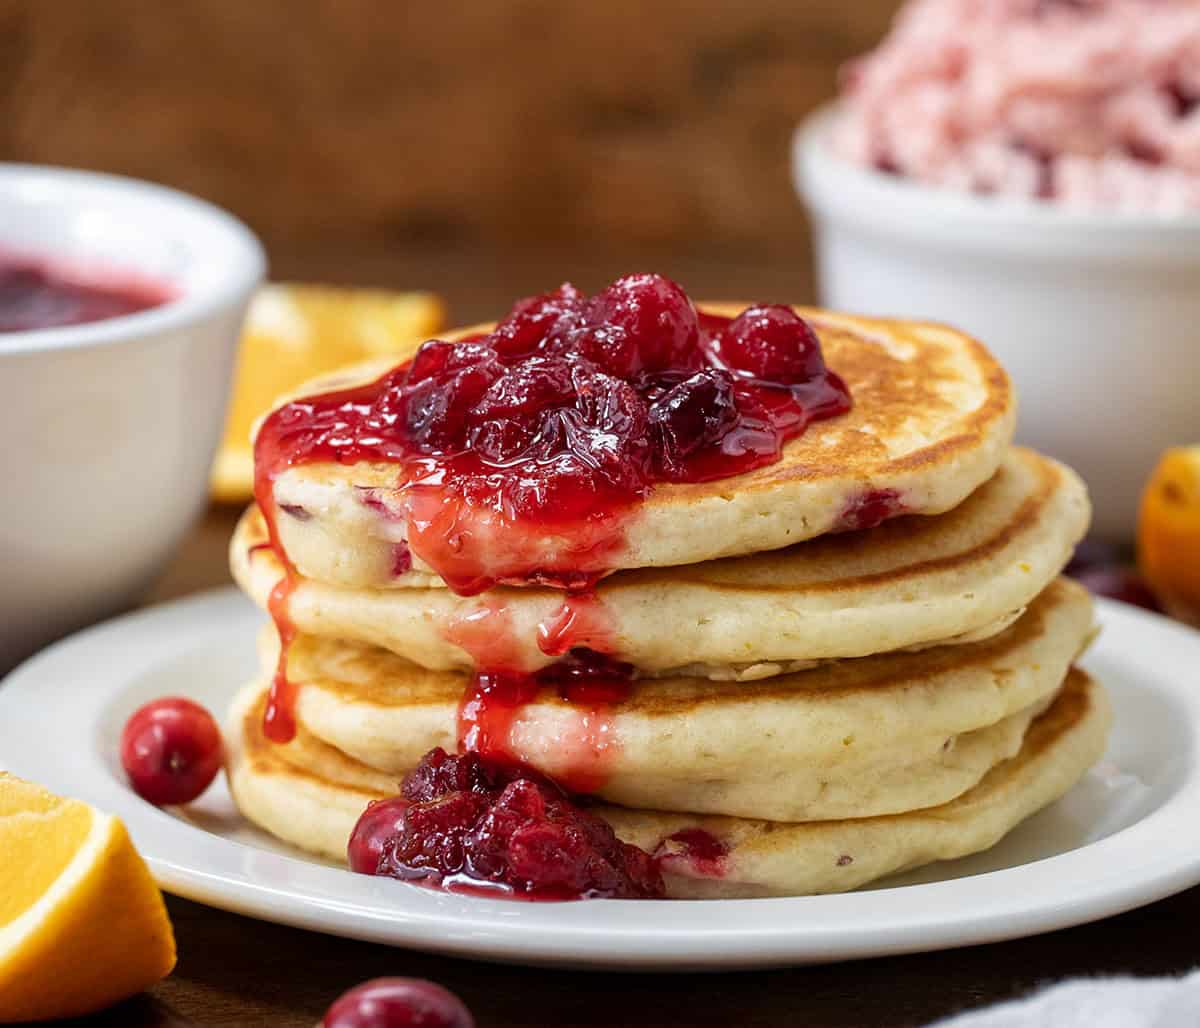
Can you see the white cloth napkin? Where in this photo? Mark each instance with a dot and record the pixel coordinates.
(1096, 1003)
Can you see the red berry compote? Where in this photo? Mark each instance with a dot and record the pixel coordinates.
(521, 455)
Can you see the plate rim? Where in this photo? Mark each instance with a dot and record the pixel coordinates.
(1100, 879)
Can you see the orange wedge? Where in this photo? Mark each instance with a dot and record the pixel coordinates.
(1169, 532)
(296, 332)
(82, 924)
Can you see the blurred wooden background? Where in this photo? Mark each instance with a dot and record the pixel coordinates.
(483, 123)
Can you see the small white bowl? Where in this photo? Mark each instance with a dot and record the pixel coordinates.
(107, 429)
(1095, 315)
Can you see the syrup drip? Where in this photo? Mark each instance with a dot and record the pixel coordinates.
(502, 687)
(279, 722)
(582, 622)
(279, 719)
(489, 710)
(590, 683)
(487, 635)
(591, 746)
(461, 539)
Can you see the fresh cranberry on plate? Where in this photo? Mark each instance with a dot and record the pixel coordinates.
(171, 750)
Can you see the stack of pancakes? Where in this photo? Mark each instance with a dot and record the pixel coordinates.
(822, 703)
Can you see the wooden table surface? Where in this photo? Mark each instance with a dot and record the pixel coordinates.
(234, 971)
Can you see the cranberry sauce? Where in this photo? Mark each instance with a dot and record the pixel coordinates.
(581, 622)
(590, 683)
(473, 824)
(279, 721)
(580, 634)
(36, 293)
(521, 454)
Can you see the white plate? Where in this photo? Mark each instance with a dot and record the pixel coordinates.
(1127, 835)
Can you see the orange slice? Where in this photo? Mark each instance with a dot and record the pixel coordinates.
(82, 924)
(296, 332)
(1169, 532)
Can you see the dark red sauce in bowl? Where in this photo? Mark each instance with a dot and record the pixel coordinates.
(38, 293)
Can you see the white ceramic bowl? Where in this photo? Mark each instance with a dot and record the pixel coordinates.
(1096, 316)
(107, 429)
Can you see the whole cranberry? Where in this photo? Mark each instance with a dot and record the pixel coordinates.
(525, 391)
(171, 750)
(430, 361)
(398, 1003)
(692, 416)
(656, 316)
(773, 343)
(610, 348)
(538, 320)
(436, 410)
(613, 433)
(381, 819)
(441, 360)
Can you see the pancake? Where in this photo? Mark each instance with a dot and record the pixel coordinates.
(882, 783)
(316, 808)
(933, 415)
(883, 733)
(912, 581)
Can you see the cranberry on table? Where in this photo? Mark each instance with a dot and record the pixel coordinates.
(171, 750)
(398, 1003)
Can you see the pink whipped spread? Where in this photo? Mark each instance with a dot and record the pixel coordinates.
(1093, 104)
